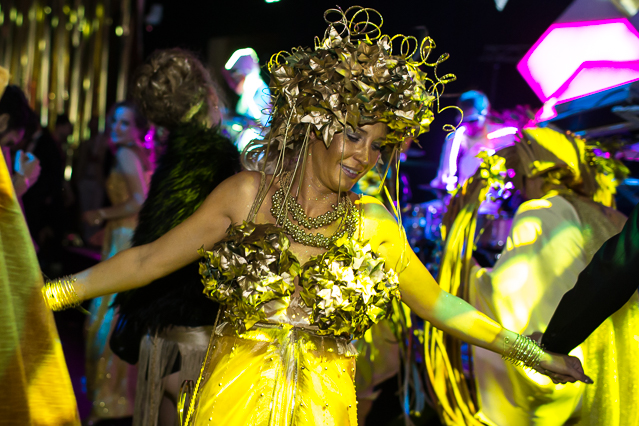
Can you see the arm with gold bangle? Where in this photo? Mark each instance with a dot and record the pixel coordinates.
(60, 294)
(456, 317)
(141, 265)
(131, 268)
(122, 272)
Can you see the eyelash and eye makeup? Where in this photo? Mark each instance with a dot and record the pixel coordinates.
(354, 137)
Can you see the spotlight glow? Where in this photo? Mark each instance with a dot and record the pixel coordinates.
(247, 51)
(504, 131)
(564, 48)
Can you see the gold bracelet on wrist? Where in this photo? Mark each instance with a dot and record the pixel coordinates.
(60, 294)
(523, 352)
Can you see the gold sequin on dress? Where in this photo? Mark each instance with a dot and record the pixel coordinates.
(278, 357)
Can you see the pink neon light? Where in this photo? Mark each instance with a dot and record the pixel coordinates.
(564, 47)
(596, 76)
(547, 111)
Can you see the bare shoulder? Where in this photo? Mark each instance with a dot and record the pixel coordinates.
(127, 159)
(236, 194)
(375, 209)
(243, 182)
(379, 224)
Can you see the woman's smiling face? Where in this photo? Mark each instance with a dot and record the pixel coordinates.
(350, 156)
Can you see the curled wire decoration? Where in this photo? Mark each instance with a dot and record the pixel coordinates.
(405, 48)
(426, 47)
(360, 24)
(277, 59)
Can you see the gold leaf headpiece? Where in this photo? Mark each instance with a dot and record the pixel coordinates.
(352, 77)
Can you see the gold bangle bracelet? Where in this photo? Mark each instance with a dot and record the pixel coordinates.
(60, 294)
(523, 352)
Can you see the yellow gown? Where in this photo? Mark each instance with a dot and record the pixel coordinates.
(110, 381)
(287, 360)
(35, 387)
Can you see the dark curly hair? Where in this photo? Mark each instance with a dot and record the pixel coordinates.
(173, 87)
(14, 103)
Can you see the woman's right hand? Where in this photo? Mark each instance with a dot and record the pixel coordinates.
(562, 368)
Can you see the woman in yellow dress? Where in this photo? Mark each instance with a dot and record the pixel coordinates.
(301, 264)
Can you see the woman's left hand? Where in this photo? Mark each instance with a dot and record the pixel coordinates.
(562, 368)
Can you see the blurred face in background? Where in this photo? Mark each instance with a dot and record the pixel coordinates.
(474, 121)
(63, 131)
(12, 137)
(123, 130)
(9, 137)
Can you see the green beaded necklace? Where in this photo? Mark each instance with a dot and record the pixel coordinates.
(344, 210)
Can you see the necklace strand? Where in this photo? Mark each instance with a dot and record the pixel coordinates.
(344, 209)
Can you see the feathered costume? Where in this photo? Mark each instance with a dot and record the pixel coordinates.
(172, 309)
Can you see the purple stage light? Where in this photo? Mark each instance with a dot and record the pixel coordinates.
(596, 76)
(574, 59)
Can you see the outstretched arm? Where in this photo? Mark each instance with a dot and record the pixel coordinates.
(138, 266)
(602, 288)
(451, 314)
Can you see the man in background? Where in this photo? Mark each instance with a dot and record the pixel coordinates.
(478, 132)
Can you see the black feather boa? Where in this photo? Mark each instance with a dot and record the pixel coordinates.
(196, 160)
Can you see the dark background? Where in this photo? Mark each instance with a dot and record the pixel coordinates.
(463, 28)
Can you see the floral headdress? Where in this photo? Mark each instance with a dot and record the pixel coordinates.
(353, 77)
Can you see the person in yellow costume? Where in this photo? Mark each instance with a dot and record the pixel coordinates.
(301, 264)
(554, 236)
(35, 387)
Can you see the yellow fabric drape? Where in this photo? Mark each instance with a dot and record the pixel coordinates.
(35, 387)
(608, 353)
